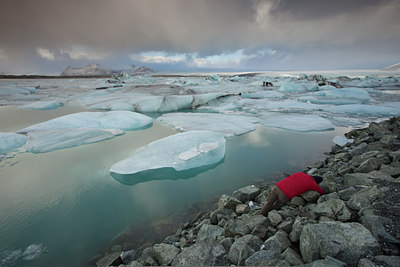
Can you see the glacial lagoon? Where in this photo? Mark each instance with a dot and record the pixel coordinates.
(63, 207)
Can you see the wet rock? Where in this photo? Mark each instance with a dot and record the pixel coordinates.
(207, 252)
(246, 193)
(243, 248)
(347, 242)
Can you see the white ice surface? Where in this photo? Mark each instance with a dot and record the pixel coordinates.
(42, 105)
(228, 125)
(181, 151)
(301, 123)
(345, 93)
(124, 120)
(11, 141)
(46, 141)
(341, 140)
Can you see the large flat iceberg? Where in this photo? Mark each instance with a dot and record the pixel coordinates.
(11, 141)
(228, 125)
(123, 120)
(46, 141)
(299, 123)
(182, 151)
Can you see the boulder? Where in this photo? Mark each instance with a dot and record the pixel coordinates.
(243, 225)
(352, 179)
(390, 261)
(292, 257)
(310, 196)
(369, 165)
(377, 226)
(228, 202)
(274, 217)
(242, 209)
(280, 240)
(347, 242)
(328, 261)
(363, 198)
(297, 227)
(206, 252)
(297, 201)
(221, 213)
(209, 231)
(246, 193)
(332, 208)
(243, 248)
(261, 256)
(165, 253)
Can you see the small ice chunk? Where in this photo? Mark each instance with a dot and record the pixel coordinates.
(50, 140)
(300, 123)
(42, 105)
(181, 151)
(124, 120)
(229, 125)
(342, 141)
(11, 141)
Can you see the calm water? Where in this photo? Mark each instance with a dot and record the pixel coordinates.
(68, 201)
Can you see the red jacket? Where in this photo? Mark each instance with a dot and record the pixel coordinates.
(298, 183)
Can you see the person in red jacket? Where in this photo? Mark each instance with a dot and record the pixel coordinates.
(293, 185)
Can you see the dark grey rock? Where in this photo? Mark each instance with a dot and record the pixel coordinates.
(328, 262)
(390, 261)
(369, 165)
(332, 208)
(392, 171)
(209, 231)
(376, 225)
(165, 253)
(243, 248)
(263, 255)
(242, 209)
(286, 225)
(207, 252)
(298, 201)
(280, 240)
(292, 257)
(246, 193)
(221, 213)
(243, 225)
(352, 179)
(364, 198)
(297, 227)
(274, 217)
(228, 202)
(347, 242)
(347, 193)
(310, 196)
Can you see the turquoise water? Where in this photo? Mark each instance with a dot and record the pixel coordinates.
(68, 201)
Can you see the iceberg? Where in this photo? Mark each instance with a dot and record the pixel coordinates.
(289, 87)
(11, 141)
(299, 123)
(346, 93)
(42, 105)
(228, 125)
(179, 152)
(124, 120)
(50, 140)
(263, 94)
(362, 109)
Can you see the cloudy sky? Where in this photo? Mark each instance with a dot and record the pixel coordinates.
(45, 36)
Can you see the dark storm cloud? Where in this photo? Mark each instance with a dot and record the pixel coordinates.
(54, 30)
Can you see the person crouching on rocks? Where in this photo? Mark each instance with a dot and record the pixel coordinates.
(293, 185)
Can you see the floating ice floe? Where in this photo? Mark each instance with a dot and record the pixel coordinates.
(289, 87)
(228, 125)
(361, 109)
(42, 105)
(346, 93)
(300, 123)
(11, 141)
(182, 151)
(50, 140)
(14, 90)
(263, 94)
(124, 120)
(31, 252)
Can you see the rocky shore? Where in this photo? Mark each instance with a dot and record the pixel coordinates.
(356, 223)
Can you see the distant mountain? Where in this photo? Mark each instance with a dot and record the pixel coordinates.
(98, 70)
(393, 67)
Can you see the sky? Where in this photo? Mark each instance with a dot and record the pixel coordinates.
(46, 36)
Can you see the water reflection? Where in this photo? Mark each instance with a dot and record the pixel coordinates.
(167, 173)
